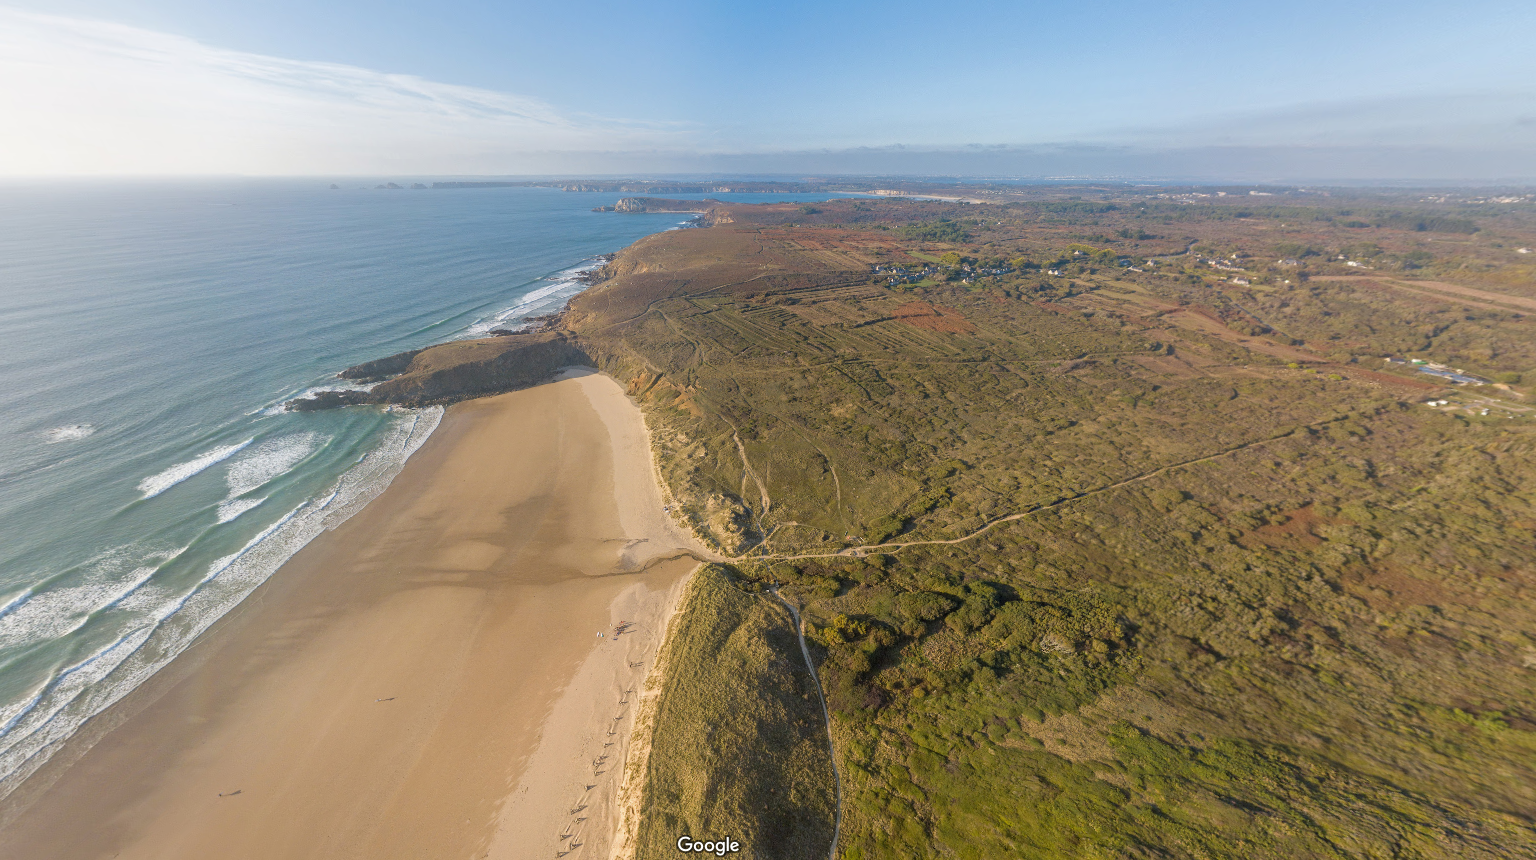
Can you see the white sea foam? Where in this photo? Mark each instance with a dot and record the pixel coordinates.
(166, 621)
(272, 458)
(147, 599)
(532, 299)
(510, 318)
(233, 508)
(37, 614)
(61, 611)
(154, 485)
(281, 406)
(68, 433)
(566, 284)
(344, 385)
(48, 615)
(66, 687)
(224, 563)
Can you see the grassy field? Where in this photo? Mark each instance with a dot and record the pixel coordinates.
(1112, 563)
(739, 744)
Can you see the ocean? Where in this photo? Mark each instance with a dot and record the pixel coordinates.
(149, 334)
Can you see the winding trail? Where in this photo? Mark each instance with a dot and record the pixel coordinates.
(746, 464)
(837, 778)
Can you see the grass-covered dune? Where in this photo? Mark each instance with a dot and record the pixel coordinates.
(738, 743)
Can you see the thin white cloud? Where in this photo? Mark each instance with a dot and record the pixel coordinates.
(91, 97)
(83, 97)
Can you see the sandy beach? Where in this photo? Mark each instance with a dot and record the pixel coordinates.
(425, 681)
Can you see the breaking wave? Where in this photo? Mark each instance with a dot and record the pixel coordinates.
(163, 621)
(154, 485)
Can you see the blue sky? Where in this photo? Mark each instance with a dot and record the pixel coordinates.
(597, 86)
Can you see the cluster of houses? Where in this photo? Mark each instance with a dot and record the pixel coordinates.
(903, 275)
(1228, 265)
(907, 275)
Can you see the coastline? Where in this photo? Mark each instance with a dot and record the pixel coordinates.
(637, 753)
(32, 732)
(223, 588)
(425, 680)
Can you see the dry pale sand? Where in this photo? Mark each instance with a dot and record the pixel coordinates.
(426, 681)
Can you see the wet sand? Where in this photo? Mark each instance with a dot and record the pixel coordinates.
(426, 681)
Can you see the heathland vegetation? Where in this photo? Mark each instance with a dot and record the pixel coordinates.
(1122, 522)
(1116, 533)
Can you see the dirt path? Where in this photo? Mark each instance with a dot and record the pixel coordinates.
(837, 779)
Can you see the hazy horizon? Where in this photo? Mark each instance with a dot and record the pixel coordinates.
(1193, 92)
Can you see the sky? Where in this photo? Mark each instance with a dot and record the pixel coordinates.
(1180, 88)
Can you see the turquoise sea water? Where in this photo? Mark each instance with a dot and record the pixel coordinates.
(148, 334)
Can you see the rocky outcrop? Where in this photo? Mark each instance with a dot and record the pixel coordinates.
(456, 371)
(476, 368)
(327, 400)
(380, 368)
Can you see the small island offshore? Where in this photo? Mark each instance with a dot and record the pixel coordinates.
(974, 521)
